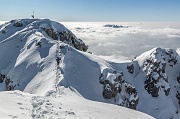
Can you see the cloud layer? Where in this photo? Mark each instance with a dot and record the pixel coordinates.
(119, 44)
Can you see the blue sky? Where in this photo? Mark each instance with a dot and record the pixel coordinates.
(92, 10)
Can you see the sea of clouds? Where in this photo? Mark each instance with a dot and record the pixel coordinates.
(120, 44)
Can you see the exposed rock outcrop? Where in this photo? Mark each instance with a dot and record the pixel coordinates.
(130, 68)
(115, 87)
(155, 68)
(8, 83)
(178, 97)
(178, 79)
(2, 77)
(18, 24)
(67, 37)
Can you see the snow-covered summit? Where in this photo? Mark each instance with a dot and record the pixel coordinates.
(159, 74)
(160, 55)
(53, 29)
(28, 49)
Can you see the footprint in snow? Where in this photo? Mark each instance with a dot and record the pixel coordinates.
(14, 116)
(19, 103)
(21, 108)
(69, 113)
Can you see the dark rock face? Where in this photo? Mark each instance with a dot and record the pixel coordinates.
(18, 24)
(3, 31)
(155, 68)
(155, 75)
(178, 90)
(130, 68)
(178, 97)
(110, 89)
(123, 93)
(67, 37)
(178, 79)
(38, 44)
(172, 57)
(8, 82)
(2, 77)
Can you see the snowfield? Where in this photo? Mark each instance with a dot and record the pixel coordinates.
(46, 72)
(16, 104)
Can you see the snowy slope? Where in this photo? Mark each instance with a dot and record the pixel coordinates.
(20, 53)
(31, 53)
(160, 69)
(83, 71)
(28, 52)
(67, 105)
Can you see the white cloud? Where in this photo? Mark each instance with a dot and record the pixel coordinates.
(125, 43)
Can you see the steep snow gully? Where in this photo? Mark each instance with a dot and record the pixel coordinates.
(45, 72)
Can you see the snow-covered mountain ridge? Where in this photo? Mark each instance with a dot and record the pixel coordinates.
(29, 49)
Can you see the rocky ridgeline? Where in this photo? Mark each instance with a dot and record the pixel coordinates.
(65, 35)
(154, 66)
(115, 87)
